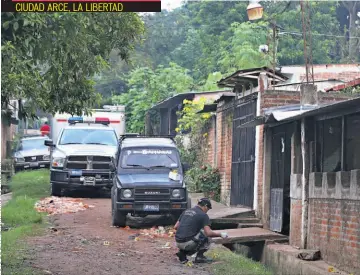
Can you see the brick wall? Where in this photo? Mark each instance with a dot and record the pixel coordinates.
(210, 138)
(224, 150)
(335, 230)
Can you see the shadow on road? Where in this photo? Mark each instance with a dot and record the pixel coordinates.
(149, 221)
(132, 222)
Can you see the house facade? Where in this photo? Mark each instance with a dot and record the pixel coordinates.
(312, 179)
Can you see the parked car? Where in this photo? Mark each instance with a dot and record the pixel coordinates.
(148, 179)
(82, 154)
(31, 153)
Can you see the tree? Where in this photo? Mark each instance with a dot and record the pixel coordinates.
(353, 8)
(147, 87)
(210, 84)
(243, 50)
(49, 59)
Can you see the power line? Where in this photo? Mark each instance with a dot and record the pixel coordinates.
(319, 34)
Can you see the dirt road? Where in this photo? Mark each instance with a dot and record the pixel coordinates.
(85, 243)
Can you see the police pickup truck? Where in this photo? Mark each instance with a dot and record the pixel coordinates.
(148, 180)
(82, 155)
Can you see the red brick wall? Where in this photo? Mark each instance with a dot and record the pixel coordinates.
(209, 138)
(335, 230)
(345, 76)
(224, 151)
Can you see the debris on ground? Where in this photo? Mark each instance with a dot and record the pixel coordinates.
(55, 205)
(156, 232)
(167, 245)
(133, 237)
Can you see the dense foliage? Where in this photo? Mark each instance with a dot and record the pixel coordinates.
(49, 59)
(211, 39)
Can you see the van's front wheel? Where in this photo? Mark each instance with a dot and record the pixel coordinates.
(117, 218)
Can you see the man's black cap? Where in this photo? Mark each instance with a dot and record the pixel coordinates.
(205, 202)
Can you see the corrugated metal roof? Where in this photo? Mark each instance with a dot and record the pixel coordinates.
(208, 108)
(176, 99)
(243, 77)
(295, 112)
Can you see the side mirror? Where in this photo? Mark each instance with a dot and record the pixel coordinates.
(186, 167)
(112, 167)
(49, 143)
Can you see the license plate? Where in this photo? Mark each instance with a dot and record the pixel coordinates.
(152, 207)
(89, 181)
(34, 164)
(42, 165)
(76, 173)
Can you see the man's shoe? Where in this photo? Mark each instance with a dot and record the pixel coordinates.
(182, 257)
(202, 260)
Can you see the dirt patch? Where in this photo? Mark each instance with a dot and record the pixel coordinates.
(86, 243)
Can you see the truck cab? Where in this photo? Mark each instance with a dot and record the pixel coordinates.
(148, 179)
(83, 154)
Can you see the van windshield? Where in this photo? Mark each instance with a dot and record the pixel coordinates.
(149, 158)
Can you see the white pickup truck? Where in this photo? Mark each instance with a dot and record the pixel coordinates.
(82, 149)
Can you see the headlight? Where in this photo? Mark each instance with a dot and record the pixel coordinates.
(46, 157)
(19, 160)
(176, 193)
(58, 162)
(127, 193)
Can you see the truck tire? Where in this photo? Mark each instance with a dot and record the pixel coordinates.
(117, 219)
(55, 190)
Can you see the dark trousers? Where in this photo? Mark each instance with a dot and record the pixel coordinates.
(200, 243)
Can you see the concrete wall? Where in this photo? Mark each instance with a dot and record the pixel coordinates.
(295, 210)
(334, 218)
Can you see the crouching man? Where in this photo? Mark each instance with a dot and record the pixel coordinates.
(193, 232)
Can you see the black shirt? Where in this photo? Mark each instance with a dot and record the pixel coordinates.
(191, 222)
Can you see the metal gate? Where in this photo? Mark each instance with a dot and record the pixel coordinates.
(243, 153)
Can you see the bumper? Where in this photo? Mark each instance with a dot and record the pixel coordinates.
(63, 179)
(172, 207)
(32, 165)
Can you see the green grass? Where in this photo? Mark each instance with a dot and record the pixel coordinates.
(229, 263)
(19, 214)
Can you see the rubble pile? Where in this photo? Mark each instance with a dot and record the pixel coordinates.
(63, 205)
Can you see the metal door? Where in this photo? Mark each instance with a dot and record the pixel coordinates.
(243, 153)
(280, 179)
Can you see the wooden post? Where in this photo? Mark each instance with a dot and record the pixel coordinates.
(305, 186)
(308, 95)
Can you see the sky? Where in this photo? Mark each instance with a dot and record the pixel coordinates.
(170, 4)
